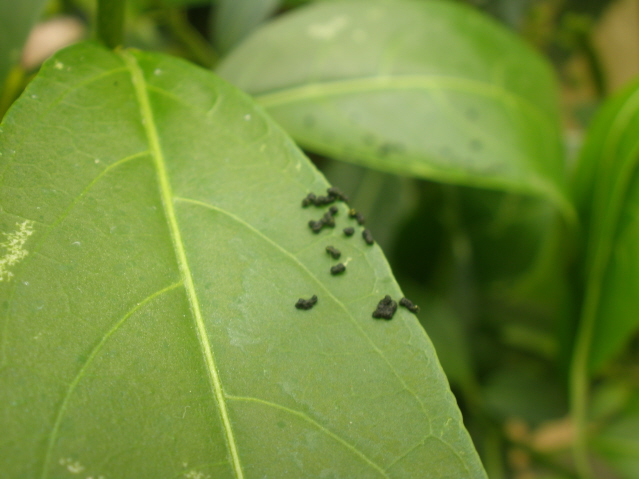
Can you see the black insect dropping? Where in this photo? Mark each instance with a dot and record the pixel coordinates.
(409, 305)
(337, 194)
(385, 308)
(332, 194)
(333, 210)
(306, 303)
(368, 237)
(326, 220)
(338, 268)
(334, 252)
(309, 200)
(353, 213)
(349, 231)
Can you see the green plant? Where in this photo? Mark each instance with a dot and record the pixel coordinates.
(155, 246)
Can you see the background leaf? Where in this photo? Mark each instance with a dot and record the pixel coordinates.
(16, 20)
(375, 82)
(235, 19)
(154, 248)
(607, 194)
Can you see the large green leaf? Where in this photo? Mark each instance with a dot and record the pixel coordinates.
(607, 194)
(431, 89)
(154, 248)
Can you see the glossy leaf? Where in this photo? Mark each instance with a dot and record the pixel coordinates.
(607, 194)
(430, 89)
(154, 248)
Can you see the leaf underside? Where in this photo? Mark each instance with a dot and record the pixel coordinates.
(154, 247)
(427, 89)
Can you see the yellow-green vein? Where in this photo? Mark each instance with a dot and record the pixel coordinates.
(326, 431)
(166, 193)
(76, 380)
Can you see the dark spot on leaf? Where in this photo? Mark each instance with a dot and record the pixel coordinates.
(368, 237)
(338, 268)
(353, 213)
(390, 148)
(476, 145)
(408, 304)
(385, 308)
(349, 231)
(334, 252)
(306, 303)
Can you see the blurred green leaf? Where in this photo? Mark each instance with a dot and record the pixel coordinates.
(16, 20)
(154, 249)
(235, 19)
(607, 195)
(429, 89)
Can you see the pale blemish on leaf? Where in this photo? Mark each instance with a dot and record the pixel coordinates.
(328, 30)
(196, 475)
(14, 250)
(74, 467)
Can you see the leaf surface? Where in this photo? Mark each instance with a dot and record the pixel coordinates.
(430, 89)
(154, 247)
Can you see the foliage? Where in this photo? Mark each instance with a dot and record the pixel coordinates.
(154, 246)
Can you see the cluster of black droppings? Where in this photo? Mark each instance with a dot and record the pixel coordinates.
(409, 305)
(336, 193)
(350, 231)
(326, 220)
(332, 194)
(353, 213)
(306, 303)
(368, 237)
(338, 269)
(334, 252)
(385, 308)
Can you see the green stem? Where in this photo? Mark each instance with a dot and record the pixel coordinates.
(13, 85)
(110, 22)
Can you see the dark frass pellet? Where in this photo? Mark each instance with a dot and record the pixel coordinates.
(328, 219)
(316, 226)
(337, 194)
(385, 308)
(306, 303)
(333, 210)
(324, 200)
(334, 252)
(309, 200)
(349, 231)
(368, 237)
(409, 305)
(338, 268)
(353, 213)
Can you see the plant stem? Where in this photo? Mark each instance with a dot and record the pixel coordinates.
(200, 49)
(110, 22)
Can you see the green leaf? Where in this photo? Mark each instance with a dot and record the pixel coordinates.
(607, 195)
(154, 248)
(430, 89)
(16, 20)
(235, 19)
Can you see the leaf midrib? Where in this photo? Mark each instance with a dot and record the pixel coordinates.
(396, 82)
(166, 193)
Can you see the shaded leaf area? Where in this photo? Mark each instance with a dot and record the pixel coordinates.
(607, 194)
(16, 20)
(154, 249)
(235, 19)
(430, 89)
